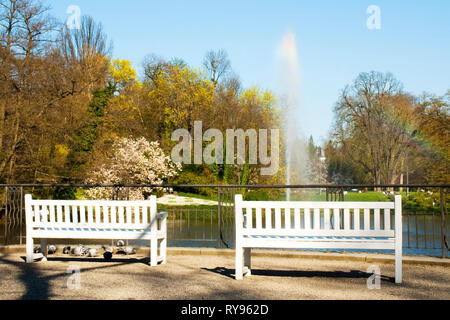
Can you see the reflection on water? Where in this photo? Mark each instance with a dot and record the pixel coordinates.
(423, 238)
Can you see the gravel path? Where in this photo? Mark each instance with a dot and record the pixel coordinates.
(211, 277)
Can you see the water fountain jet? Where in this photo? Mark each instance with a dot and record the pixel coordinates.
(290, 80)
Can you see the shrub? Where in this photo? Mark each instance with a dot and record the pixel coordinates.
(132, 162)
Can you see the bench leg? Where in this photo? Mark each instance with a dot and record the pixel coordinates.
(29, 249)
(153, 252)
(163, 249)
(239, 263)
(398, 266)
(248, 260)
(44, 249)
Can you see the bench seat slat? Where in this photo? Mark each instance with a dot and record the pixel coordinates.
(315, 238)
(314, 232)
(318, 239)
(315, 244)
(95, 225)
(93, 233)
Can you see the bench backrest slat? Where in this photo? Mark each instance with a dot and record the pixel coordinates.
(90, 220)
(387, 219)
(90, 213)
(316, 218)
(296, 218)
(287, 218)
(366, 219)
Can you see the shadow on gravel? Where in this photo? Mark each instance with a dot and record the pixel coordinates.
(37, 285)
(355, 274)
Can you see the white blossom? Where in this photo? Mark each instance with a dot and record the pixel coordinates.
(133, 161)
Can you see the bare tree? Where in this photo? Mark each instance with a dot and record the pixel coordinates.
(217, 65)
(153, 66)
(25, 26)
(372, 118)
(25, 30)
(85, 51)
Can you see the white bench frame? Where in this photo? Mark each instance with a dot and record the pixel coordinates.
(297, 224)
(96, 219)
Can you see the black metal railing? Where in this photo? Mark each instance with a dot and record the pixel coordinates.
(213, 226)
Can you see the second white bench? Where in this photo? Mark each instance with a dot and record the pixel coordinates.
(317, 225)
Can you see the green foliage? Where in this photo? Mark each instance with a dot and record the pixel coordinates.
(263, 195)
(245, 174)
(256, 195)
(62, 193)
(368, 196)
(86, 136)
(228, 174)
(422, 201)
(215, 170)
(100, 100)
(194, 177)
(85, 139)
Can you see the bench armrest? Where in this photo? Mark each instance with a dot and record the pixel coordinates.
(163, 214)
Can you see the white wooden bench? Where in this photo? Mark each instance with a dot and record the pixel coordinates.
(96, 219)
(317, 225)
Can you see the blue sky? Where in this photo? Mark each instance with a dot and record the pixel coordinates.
(333, 42)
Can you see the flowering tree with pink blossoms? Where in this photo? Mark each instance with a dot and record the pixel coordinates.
(132, 161)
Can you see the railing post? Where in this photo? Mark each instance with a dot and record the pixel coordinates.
(13, 214)
(443, 225)
(21, 214)
(6, 216)
(219, 205)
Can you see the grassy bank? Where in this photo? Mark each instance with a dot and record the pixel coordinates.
(414, 202)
